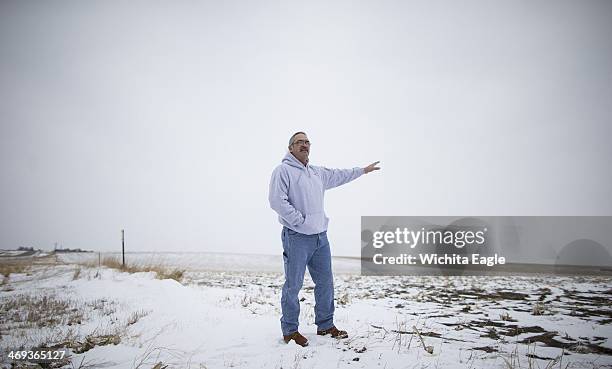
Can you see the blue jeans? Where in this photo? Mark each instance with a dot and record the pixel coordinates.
(299, 251)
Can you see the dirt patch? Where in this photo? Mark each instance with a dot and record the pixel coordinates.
(487, 349)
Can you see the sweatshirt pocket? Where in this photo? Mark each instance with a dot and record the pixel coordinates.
(313, 223)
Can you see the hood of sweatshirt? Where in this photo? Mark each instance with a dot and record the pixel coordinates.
(291, 160)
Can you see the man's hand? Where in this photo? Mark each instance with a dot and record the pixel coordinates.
(372, 167)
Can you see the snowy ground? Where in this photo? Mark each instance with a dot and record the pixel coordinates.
(217, 319)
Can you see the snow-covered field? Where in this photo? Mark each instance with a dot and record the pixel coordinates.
(225, 313)
(208, 261)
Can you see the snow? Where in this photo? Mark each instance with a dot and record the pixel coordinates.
(219, 317)
(210, 261)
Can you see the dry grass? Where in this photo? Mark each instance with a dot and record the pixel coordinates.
(98, 337)
(505, 316)
(538, 309)
(102, 307)
(135, 316)
(6, 268)
(514, 360)
(27, 311)
(77, 273)
(161, 271)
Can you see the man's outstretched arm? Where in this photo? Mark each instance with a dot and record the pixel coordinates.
(336, 177)
(279, 199)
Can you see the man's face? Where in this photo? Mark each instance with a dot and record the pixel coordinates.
(300, 148)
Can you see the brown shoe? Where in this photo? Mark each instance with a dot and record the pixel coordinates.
(297, 337)
(335, 333)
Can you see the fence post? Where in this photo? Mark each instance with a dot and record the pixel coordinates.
(123, 247)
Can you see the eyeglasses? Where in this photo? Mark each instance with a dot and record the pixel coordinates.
(302, 142)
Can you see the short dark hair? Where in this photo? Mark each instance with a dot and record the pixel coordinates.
(293, 136)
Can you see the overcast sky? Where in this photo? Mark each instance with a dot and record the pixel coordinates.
(166, 118)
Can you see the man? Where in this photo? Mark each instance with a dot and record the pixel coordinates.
(296, 194)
